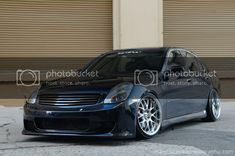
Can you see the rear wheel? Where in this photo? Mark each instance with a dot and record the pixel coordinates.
(149, 116)
(213, 107)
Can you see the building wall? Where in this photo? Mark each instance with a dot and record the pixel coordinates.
(207, 28)
(137, 23)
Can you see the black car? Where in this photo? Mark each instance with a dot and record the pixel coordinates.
(135, 93)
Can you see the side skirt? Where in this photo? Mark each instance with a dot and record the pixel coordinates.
(183, 118)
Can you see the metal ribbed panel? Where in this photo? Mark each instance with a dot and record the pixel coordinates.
(204, 26)
(61, 28)
(68, 99)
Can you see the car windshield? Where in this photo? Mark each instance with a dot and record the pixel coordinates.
(127, 62)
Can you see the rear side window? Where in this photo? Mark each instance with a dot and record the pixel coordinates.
(200, 65)
(193, 64)
(175, 58)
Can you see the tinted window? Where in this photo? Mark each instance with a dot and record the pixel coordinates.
(127, 62)
(176, 58)
(199, 64)
(193, 64)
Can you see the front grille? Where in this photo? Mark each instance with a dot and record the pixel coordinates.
(69, 99)
(64, 124)
(79, 125)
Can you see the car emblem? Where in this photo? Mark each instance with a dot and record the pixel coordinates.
(49, 112)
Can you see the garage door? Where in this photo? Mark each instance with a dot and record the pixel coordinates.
(65, 28)
(208, 28)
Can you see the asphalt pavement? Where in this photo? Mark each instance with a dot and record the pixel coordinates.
(194, 138)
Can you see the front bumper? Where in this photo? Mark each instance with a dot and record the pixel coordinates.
(101, 120)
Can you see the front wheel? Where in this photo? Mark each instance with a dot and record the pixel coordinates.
(149, 116)
(213, 107)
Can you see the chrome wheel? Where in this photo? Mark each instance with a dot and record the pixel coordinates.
(149, 115)
(215, 104)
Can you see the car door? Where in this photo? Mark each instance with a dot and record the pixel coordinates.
(176, 87)
(200, 84)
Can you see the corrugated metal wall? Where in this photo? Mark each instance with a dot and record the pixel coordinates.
(204, 26)
(55, 28)
(207, 27)
(48, 29)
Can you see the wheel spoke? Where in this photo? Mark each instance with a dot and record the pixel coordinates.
(147, 103)
(156, 119)
(140, 116)
(152, 125)
(148, 126)
(212, 101)
(141, 108)
(213, 108)
(155, 113)
(145, 126)
(155, 122)
(150, 106)
(144, 103)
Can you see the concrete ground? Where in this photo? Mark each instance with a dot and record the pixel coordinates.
(189, 138)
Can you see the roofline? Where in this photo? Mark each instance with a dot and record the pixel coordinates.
(166, 49)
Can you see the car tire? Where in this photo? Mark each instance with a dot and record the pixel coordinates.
(149, 116)
(213, 109)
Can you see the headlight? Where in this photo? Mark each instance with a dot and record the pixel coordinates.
(119, 93)
(33, 98)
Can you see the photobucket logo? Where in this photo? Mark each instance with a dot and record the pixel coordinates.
(70, 73)
(146, 77)
(190, 74)
(27, 77)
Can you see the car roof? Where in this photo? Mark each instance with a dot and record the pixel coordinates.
(156, 49)
(141, 49)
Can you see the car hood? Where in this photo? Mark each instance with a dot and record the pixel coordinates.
(83, 84)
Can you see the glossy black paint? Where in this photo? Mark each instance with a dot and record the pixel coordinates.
(117, 119)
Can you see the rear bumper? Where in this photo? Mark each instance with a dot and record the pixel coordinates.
(116, 121)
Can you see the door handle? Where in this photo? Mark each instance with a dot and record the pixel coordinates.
(189, 80)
